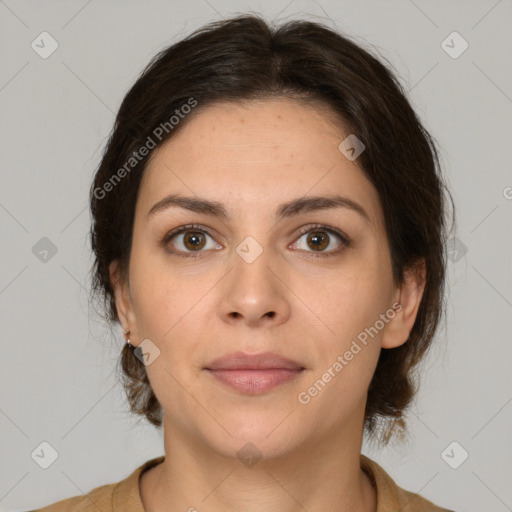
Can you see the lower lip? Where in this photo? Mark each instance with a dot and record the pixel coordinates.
(255, 382)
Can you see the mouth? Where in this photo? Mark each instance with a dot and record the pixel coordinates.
(254, 374)
(255, 382)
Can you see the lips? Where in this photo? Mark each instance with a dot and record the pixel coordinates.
(263, 361)
(254, 374)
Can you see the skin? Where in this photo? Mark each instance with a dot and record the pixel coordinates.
(252, 158)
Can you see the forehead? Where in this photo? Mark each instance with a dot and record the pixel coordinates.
(258, 154)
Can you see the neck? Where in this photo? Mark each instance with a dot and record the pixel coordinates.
(315, 476)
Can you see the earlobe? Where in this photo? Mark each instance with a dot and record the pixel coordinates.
(398, 329)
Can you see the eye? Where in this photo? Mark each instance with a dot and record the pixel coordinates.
(193, 241)
(319, 238)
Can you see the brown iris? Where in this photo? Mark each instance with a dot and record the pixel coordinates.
(196, 239)
(319, 239)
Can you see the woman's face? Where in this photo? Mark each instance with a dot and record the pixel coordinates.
(251, 282)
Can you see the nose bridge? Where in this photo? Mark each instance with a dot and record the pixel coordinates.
(252, 264)
(253, 290)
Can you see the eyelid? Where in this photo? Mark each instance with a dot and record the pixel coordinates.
(183, 229)
(310, 227)
(345, 239)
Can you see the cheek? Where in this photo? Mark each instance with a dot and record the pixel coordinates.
(168, 305)
(349, 301)
(165, 308)
(348, 350)
(161, 293)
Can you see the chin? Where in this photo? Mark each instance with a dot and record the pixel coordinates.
(255, 437)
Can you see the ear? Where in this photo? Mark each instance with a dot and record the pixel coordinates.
(409, 296)
(123, 301)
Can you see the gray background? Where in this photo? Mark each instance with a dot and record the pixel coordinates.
(58, 379)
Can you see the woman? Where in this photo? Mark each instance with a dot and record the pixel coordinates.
(268, 230)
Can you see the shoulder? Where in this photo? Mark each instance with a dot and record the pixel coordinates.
(122, 496)
(99, 498)
(390, 496)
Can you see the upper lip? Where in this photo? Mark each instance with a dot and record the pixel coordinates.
(263, 361)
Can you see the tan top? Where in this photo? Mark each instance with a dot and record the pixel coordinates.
(124, 496)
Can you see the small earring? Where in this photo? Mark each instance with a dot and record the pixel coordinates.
(127, 332)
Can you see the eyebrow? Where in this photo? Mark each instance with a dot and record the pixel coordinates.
(285, 210)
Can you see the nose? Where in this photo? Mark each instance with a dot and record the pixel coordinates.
(255, 294)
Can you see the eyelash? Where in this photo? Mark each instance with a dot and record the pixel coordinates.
(345, 240)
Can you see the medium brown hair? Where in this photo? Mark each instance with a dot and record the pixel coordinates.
(244, 58)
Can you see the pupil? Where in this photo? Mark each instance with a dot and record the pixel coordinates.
(316, 237)
(194, 240)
